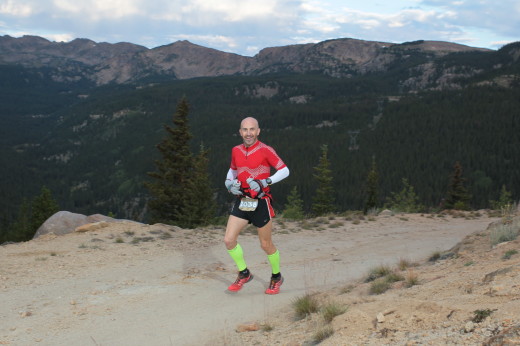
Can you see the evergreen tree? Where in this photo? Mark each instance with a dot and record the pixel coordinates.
(199, 205)
(503, 201)
(43, 206)
(372, 186)
(323, 201)
(180, 191)
(458, 196)
(294, 207)
(406, 200)
(174, 170)
(21, 229)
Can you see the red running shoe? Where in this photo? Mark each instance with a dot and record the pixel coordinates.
(239, 282)
(274, 286)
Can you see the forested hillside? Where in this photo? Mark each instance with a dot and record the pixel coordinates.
(93, 147)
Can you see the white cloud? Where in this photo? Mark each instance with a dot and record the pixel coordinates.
(60, 37)
(242, 26)
(238, 10)
(215, 40)
(98, 9)
(11, 8)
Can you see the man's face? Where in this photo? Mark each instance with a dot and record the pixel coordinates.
(249, 131)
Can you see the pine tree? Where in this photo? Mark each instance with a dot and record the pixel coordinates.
(173, 169)
(21, 229)
(457, 196)
(323, 201)
(405, 201)
(180, 189)
(504, 200)
(199, 206)
(43, 206)
(372, 186)
(294, 207)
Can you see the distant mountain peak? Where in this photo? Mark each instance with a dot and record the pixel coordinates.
(126, 62)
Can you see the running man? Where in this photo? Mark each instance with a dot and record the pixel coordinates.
(249, 178)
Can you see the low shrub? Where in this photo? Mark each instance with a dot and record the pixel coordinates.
(332, 310)
(305, 305)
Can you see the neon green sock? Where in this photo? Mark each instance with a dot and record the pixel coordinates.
(238, 256)
(274, 259)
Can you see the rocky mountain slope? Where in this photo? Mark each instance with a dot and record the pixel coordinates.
(105, 63)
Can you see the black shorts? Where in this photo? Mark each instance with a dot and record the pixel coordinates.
(263, 213)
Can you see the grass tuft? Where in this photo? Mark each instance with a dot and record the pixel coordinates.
(379, 286)
(480, 315)
(331, 310)
(504, 233)
(412, 279)
(404, 264)
(267, 327)
(304, 306)
(509, 253)
(322, 334)
(378, 272)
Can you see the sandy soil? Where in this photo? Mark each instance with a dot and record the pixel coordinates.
(134, 284)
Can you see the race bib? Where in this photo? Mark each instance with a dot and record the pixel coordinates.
(248, 204)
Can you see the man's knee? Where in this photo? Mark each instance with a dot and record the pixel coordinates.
(267, 245)
(230, 242)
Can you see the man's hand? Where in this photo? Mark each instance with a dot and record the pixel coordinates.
(257, 186)
(233, 187)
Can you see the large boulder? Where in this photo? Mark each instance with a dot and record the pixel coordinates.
(64, 222)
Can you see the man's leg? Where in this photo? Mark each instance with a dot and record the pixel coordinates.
(233, 229)
(266, 241)
(273, 255)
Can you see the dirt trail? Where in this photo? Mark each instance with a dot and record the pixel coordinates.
(132, 284)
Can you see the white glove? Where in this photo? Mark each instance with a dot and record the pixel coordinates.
(233, 187)
(257, 186)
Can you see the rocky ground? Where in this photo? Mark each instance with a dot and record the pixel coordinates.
(132, 284)
(468, 295)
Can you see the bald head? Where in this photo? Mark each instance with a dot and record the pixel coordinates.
(249, 122)
(249, 130)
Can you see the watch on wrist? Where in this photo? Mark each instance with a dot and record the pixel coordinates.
(268, 181)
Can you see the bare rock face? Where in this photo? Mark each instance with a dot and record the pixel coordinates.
(64, 222)
(104, 63)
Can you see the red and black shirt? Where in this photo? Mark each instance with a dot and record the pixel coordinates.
(254, 162)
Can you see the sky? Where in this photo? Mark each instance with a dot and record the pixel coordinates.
(246, 26)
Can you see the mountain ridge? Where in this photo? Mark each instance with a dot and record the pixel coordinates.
(124, 62)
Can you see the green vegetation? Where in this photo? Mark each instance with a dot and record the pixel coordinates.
(331, 310)
(509, 253)
(405, 201)
(411, 279)
(457, 196)
(379, 286)
(94, 152)
(378, 272)
(481, 315)
(372, 193)
(31, 216)
(305, 305)
(180, 191)
(323, 333)
(294, 207)
(503, 233)
(504, 201)
(323, 201)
